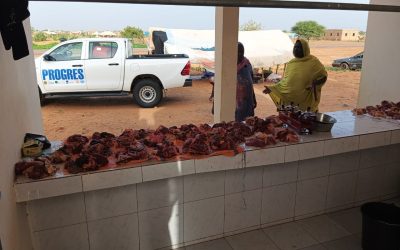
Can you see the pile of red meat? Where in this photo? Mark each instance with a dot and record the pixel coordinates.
(387, 109)
(37, 168)
(81, 154)
(268, 132)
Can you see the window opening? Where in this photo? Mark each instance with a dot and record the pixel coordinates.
(67, 52)
(102, 50)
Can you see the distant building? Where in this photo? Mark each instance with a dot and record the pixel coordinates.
(342, 34)
(48, 32)
(107, 34)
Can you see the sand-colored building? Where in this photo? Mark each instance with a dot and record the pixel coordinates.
(342, 34)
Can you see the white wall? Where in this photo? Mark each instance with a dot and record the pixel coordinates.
(380, 73)
(19, 113)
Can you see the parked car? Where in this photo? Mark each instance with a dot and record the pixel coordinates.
(354, 62)
(107, 66)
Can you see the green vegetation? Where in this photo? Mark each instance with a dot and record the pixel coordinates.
(50, 45)
(336, 69)
(132, 32)
(43, 41)
(361, 35)
(139, 46)
(43, 46)
(308, 29)
(39, 36)
(250, 25)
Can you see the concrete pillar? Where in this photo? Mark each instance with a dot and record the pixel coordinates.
(226, 40)
(380, 73)
(20, 113)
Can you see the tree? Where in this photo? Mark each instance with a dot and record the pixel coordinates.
(250, 25)
(39, 36)
(361, 35)
(308, 29)
(132, 32)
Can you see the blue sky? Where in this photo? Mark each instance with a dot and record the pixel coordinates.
(101, 16)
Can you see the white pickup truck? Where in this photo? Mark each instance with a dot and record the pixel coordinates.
(107, 66)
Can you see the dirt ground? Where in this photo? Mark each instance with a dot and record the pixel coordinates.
(67, 116)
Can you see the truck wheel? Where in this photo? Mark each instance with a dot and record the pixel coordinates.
(42, 98)
(147, 93)
(344, 66)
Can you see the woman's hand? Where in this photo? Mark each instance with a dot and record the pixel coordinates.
(266, 90)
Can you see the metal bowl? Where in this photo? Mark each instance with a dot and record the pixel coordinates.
(323, 122)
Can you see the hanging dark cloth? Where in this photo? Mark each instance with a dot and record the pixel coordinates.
(12, 13)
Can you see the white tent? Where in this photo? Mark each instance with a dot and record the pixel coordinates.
(264, 48)
(107, 34)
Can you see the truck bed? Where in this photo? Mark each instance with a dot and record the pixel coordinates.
(158, 56)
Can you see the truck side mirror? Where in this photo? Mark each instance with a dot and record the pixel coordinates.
(48, 58)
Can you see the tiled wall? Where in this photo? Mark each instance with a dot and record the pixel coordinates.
(198, 207)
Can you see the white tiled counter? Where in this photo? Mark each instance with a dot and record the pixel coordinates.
(181, 203)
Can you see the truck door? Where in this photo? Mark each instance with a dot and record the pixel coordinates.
(104, 67)
(62, 70)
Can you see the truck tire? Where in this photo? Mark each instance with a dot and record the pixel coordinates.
(345, 66)
(147, 93)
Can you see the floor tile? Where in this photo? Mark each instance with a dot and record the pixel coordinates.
(220, 244)
(350, 219)
(290, 236)
(346, 243)
(254, 240)
(323, 229)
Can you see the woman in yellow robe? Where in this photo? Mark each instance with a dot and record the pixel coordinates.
(302, 81)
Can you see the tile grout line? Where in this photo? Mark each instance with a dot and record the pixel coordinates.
(327, 187)
(357, 178)
(307, 231)
(295, 194)
(183, 207)
(223, 223)
(137, 201)
(86, 217)
(266, 235)
(115, 216)
(137, 209)
(262, 192)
